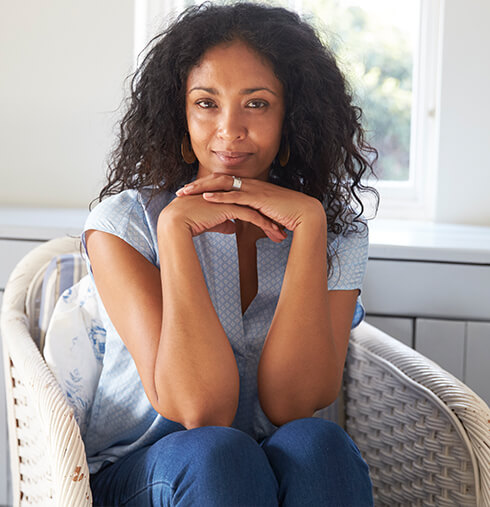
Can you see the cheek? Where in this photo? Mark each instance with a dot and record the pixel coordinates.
(269, 136)
(199, 131)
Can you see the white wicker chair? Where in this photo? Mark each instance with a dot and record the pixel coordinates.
(424, 434)
(47, 456)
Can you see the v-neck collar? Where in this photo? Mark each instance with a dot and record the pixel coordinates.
(266, 251)
(218, 255)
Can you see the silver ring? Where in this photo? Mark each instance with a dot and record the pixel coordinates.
(237, 183)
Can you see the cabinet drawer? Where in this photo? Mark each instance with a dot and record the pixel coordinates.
(401, 329)
(477, 358)
(427, 289)
(11, 251)
(443, 341)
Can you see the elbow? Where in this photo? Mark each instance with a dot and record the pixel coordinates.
(195, 416)
(202, 420)
(329, 397)
(209, 412)
(194, 420)
(195, 408)
(280, 411)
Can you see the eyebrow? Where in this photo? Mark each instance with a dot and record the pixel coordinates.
(245, 91)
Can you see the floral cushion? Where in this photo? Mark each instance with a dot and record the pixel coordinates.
(74, 344)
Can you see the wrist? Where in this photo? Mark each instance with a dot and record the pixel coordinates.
(171, 224)
(313, 217)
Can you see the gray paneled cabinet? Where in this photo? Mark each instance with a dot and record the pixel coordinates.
(429, 286)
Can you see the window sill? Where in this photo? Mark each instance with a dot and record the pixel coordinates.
(429, 241)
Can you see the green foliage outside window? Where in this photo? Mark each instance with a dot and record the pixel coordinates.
(376, 57)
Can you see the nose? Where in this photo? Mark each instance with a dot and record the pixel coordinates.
(232, 125)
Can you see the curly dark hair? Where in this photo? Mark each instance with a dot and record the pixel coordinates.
(329, 153)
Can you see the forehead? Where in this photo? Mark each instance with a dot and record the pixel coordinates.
(234, 63)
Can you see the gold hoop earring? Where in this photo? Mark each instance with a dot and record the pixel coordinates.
(284, 154)
(186, 150)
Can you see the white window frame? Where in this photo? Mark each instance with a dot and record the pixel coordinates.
(413, 199)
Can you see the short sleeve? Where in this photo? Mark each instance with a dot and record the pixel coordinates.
(124, 216)
(349, 266)
(349, 263)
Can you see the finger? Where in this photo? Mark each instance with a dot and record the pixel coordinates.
(239, 197)
(254, 217)
(244, 200)
(231, 197)
(213, 182)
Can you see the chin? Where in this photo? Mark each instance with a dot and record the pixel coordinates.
(234, 170)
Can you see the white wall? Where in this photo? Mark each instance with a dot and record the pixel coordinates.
(62, 67)
(462, 194)
(63, 63)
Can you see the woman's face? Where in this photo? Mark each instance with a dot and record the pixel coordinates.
(235, 112)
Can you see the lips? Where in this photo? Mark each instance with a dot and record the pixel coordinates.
(232, 157)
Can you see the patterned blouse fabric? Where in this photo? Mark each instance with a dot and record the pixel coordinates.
(122, 419)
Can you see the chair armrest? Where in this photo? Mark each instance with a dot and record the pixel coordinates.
(424, 434)
(48, 461)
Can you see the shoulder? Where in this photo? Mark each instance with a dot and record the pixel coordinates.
(120, 207)
(349, 257)
(131, 215)
(123, 202)
(354, 241)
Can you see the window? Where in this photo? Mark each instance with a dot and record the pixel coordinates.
(374, 41)
(388, 49)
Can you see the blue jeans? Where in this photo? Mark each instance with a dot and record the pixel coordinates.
(305, 462)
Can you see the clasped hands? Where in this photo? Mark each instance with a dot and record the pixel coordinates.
(210, 204)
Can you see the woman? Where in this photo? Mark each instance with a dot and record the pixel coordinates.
(223, 337)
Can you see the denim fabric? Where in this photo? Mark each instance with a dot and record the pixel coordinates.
(307, 462)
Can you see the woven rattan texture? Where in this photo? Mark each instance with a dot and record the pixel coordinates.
(415, 454)
(34, 467)
(470, 414)
(48, 461)
(51, 457)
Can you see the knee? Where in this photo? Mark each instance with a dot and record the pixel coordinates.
(210, 453)
(214, 447)
(315, 433)
(220, 443)
(321, 454)
(316, 444)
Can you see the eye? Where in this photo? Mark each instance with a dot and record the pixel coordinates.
(205, 104)
(257, 104)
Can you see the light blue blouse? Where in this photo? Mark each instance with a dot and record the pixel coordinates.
(122, 419)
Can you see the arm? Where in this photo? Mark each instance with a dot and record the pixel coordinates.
(195, 369)
(300, 370)
(301, 365)
(186, 365)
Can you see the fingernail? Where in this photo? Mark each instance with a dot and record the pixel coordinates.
(274, 226)
(208, 194)
(189, 186)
